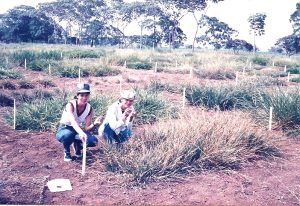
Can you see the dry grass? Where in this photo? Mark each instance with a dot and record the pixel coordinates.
(196, 141)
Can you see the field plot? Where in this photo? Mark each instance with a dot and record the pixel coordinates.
(213, 127)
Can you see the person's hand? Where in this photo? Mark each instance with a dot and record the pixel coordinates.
(126, 114)
(82, 136)
(99, 120)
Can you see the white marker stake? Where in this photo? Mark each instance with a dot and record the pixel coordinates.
(14, 114)
(244, 71)
(191, 72)
(49, 69)
(125, 64)
(25, 64)
(155, 69)
(285, 68)
(250, 65)
(83, 158)
(288, 77)
(236, 77)
(273, 63)
(79, 79)
(183, 98)
(176, 64)
(61, 56)
(270, 119)
(150, 60)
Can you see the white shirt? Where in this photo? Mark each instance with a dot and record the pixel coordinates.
(65, 118)
(114, 118)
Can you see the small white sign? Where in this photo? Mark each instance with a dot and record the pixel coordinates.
(59, 185)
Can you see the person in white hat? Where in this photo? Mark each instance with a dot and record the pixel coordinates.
(117, 125)
(77, 112)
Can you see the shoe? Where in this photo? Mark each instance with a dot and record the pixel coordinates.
(77, 149)
(67, 157)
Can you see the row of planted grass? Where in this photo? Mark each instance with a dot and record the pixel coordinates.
(194, 142)
(44, 114)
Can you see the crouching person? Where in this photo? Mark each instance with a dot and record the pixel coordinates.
(117, 125)
(77, 112)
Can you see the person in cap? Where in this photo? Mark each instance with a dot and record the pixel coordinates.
(117, 125)
(77, 112)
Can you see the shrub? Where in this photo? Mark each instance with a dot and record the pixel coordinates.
(260, 60)
(195, 142)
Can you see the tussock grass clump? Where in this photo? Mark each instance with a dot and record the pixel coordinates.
(195, 142)
(262, 61)
(158, 86)
(286, 107)
(296, 79)
(31, 96)
(217, 74)
(139, 65)
(84, 54)
(294, 70)
(222, 98)
(106, 71)
(8, 85)
(24, 84)
(46, 83)
(6, 101)
(20, 56)
(151, 107)
(10, 74)
(43, 114)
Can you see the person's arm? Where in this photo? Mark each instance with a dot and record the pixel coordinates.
(111, 118)
(88, 121)
(74, 123)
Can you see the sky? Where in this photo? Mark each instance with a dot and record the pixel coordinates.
(233, 12)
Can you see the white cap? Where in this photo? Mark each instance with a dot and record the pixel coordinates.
(127, 94)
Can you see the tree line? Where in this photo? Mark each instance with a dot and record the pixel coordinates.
(103, 22)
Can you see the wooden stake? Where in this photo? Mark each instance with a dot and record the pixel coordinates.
(125, 64)
(49, 69)
(25, 64)
(14, 114)
(236, 77)
(61, 55)
(273, 64)
(83, 158)
(183, 97)
(155, 69)
(285, 68)
(191, 72)
(270, 119)
(288, 77)
(79, 78)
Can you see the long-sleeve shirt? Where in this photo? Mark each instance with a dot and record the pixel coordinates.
(114, 119)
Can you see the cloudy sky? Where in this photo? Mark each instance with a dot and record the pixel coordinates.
(233, 12)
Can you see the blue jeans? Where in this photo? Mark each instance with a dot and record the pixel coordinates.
(67, 135)
(110, 136)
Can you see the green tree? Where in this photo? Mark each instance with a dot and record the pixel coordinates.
(26, 24)
(290, 44)
(257, 26)
(217, 33)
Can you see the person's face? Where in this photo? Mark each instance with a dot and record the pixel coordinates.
(126, 103)
(83, 98)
